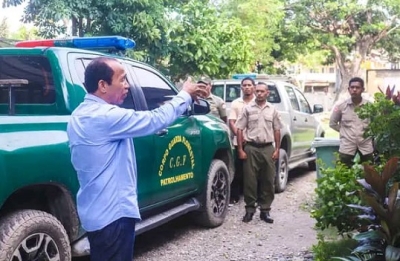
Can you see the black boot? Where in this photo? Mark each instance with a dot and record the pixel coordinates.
(248, 217)
(266, 217)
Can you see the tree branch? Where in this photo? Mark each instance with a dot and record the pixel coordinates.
(386, 31)
(353, 27)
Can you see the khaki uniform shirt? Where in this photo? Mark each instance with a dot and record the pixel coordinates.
(237, 106)
(217, 106)
(351, 128)
(259, 123)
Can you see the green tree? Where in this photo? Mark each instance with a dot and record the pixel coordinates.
(204, 41)
(25, 33)
(4, 28)
(347, 28)
(263, 18)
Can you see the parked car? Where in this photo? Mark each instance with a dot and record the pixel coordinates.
(300, 124)
(186, 167)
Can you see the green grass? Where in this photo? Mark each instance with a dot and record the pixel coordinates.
(330, 245)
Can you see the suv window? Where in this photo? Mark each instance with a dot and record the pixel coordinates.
(273, 96)
(233, 91)
(36, 69)
(304, 106)
(292, 98)
(218, 90)
(155, 89)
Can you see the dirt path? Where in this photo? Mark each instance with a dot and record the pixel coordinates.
(289, 238)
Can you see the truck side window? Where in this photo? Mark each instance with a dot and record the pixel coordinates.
(304, 106)
(36, 69)
(155, 89)
(292, 98)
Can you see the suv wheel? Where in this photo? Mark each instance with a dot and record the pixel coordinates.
(29, 235)
(215, 199)
(282, 172)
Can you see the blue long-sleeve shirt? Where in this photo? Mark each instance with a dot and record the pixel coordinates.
(102, 153)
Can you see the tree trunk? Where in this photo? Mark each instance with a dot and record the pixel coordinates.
(349, 69)
(74, 26)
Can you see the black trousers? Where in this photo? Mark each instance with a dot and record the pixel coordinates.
(347, 159)
(114, 242)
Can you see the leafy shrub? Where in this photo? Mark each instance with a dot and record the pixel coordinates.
(380, 240)
(327, 249)
(333, 196)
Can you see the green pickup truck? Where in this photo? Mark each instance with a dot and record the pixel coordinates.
(184, 168)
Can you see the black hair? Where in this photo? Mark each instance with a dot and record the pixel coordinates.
(98, 69)
(357, 79)
(263, 83)
(248, 79)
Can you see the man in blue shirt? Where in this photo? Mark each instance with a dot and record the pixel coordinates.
(102, 152)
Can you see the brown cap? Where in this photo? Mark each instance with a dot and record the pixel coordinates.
(205, 80)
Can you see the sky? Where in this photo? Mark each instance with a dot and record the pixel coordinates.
(13, 15)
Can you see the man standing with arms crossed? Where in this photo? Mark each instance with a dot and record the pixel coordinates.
(261, 123)
(247, 86)
(345, 120)
(102, 152)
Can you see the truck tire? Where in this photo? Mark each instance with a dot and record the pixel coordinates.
(215, 199)
(282, 172)
(28, 235)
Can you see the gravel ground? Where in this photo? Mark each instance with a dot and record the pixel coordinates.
(289, 238)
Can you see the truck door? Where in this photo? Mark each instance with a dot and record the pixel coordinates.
(296, 122)
(77, 64)
(307, 121)
(176, 151)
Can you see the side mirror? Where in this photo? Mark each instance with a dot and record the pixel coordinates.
(318, 108)
(201, 108)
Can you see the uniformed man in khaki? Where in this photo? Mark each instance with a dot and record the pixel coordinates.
(217, 105)
(261, 123)
(237, 105)
(351, 128)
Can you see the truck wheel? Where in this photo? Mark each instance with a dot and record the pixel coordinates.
(215, 198)
(282, 172)
(29, 235)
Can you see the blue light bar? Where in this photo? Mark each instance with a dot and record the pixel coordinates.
(95, 42)
(118, 42)
(240, 76)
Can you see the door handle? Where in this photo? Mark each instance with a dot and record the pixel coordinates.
(162, 132)
(294, 118)
(306, 120)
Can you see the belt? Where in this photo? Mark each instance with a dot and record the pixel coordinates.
(259, 145)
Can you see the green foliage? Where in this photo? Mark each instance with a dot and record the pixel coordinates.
(333, 196)
(208, 43)
(177, 37)
(380, 240)
(4, 28)
(262, 18)
(327, 249)
(349, 29)
(384, 126)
